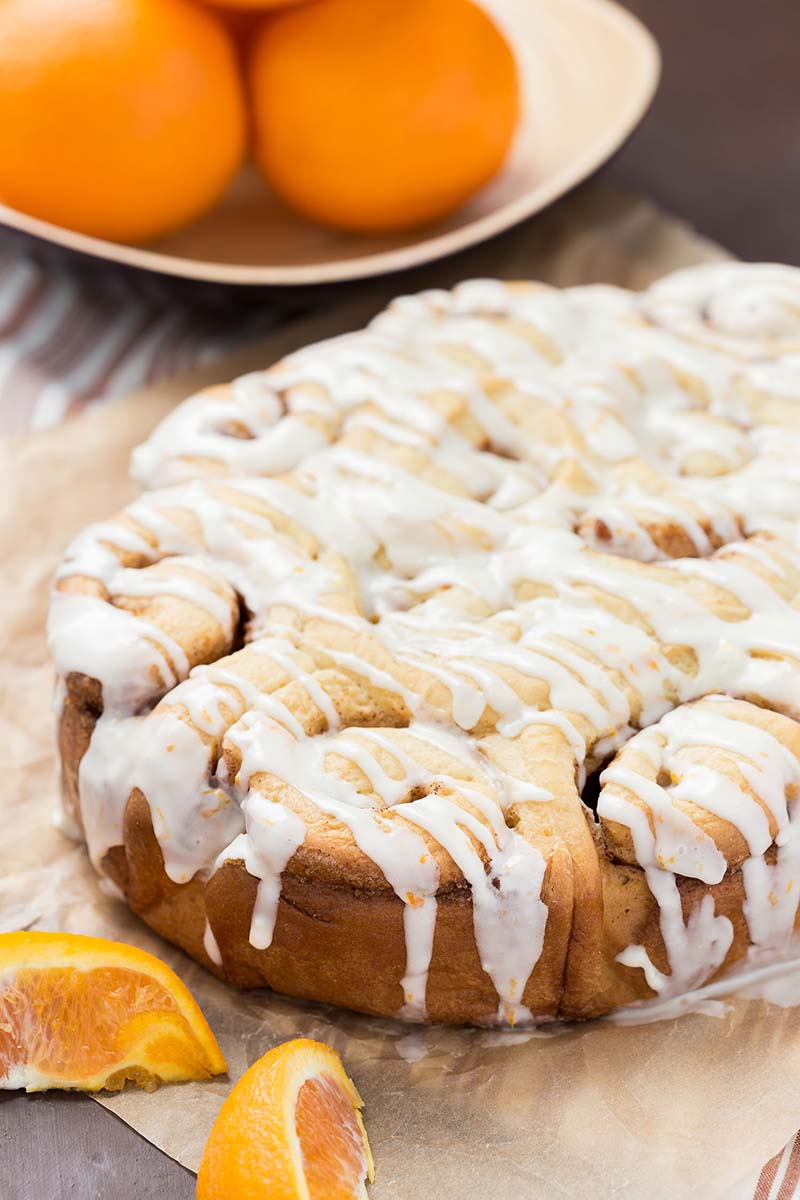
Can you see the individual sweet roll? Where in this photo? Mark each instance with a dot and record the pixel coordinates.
(450, 669)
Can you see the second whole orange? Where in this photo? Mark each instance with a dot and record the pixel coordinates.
(375, 115)
(118, 118)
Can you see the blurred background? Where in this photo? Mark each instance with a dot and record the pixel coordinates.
(721, 143)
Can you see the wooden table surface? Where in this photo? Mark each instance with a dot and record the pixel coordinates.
(721, 148)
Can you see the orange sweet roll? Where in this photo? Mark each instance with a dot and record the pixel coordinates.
(130, 617)
(386, 797)
(703, 802)
(414, 812)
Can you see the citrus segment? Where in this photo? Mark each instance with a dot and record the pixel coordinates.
(291, 1129)
(79, 1012)
(331, 1136)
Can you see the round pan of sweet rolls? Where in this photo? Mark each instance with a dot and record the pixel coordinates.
(451, 669)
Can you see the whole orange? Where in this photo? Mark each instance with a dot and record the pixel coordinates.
(118, 118)
(381, 114)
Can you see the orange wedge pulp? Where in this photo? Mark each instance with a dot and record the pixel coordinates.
(291, 1129)
(82, 1012)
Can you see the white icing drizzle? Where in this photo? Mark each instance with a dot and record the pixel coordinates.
(399, 507)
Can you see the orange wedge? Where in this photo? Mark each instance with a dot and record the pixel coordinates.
(82, 1012)
(291, 1129)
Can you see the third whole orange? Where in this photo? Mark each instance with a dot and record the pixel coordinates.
(379, 115)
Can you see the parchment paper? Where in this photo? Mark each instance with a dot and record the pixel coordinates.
(676, 1109)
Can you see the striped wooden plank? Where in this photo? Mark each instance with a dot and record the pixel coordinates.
(70, 336)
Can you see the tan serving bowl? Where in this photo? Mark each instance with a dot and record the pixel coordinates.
(589, 70)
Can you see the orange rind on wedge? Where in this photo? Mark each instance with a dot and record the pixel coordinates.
(291, 1129)
(86, 1013)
